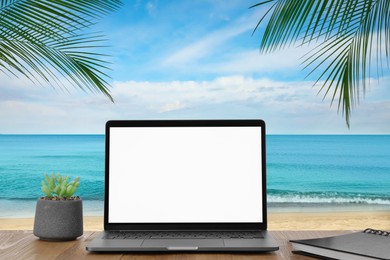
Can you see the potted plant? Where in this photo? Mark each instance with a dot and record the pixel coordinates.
(59, 214)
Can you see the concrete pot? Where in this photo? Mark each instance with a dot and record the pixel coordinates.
(58, 220)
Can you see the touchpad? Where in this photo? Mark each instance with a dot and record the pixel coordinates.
(182, 244)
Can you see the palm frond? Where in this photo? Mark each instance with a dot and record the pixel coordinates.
(44, 40)
(348, 32)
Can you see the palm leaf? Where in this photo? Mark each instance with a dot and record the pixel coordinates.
(43, 40)
(346, 33)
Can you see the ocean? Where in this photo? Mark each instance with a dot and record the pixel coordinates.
(304, 172)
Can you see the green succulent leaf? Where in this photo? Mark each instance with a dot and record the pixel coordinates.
(65, 179)
(50, 181)
(59, 178)
(70, 190)
(47, 178)
(46, 190)
(57, 190)
(59, 185)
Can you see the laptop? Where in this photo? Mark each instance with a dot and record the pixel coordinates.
(185, 185)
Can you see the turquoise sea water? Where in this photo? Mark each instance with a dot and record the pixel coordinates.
(303, 171)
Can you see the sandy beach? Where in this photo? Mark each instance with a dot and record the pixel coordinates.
(276, 221)
(329, 220)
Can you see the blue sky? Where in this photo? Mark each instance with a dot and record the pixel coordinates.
(191, 60)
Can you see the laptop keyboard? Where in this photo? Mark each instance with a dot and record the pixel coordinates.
(183, 235)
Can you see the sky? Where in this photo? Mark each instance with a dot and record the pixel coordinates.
(191, 60)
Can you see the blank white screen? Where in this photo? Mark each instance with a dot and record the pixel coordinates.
(185, 174)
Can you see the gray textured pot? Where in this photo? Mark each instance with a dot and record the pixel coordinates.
(58, 220)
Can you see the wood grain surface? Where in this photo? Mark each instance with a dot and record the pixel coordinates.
(24, 245)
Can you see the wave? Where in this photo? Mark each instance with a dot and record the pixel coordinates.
(70, 156)
(278, 196)
(18, 199)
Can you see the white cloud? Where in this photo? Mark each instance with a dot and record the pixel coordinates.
(217, 54)
(287, 107)
(151, 7)
(251, 61)
(217, 91)
(195, 51)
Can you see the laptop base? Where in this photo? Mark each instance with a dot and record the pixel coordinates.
(265, 244)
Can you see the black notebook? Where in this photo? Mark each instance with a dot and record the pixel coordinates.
(368, 244)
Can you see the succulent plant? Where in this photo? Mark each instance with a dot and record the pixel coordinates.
(58, 185)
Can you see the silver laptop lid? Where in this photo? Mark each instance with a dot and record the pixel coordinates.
(185, 174)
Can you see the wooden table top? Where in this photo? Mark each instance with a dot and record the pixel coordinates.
(24, 245)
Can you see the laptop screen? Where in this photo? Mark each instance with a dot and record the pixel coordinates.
(185, 171)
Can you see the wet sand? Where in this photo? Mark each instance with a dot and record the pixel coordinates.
(276, 221)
